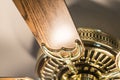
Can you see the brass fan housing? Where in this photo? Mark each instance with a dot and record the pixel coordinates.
(98, 59)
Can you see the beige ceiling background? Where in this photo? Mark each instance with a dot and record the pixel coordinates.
(16, 42)
(18, 47)
(100, 14)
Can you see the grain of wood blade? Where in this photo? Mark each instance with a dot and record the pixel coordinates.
(50, 22)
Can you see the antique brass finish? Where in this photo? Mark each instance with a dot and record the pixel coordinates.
(79, 77)
(98, 59)
(64, 53)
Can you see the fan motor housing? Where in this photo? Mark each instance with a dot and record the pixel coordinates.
(98, 58)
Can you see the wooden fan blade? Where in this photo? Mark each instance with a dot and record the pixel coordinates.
(16, 78)
(46, 18)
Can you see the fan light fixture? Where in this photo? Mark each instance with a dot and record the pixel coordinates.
(67, 53)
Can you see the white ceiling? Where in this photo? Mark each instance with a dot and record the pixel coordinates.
(17, 42)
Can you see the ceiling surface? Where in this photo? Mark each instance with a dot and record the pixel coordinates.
(100, 14)
(18, 47)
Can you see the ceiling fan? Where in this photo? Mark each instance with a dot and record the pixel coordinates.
(67, 53)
